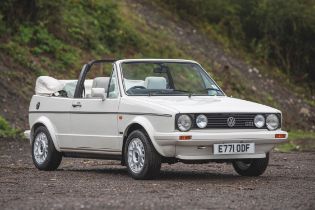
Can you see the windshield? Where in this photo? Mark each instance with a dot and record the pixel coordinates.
(167, 78)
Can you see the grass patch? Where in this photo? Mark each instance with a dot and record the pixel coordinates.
(6, 131)
(298, 141)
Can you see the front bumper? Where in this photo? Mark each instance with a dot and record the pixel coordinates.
(200, 146)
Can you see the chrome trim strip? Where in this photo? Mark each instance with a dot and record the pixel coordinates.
(82, 112)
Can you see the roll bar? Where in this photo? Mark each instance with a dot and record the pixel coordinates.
(85, 69)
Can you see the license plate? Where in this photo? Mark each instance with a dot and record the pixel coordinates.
(234, 148)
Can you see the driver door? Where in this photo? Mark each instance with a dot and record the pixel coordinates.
(94, 122)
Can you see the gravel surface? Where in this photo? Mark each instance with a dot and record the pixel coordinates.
(288, 183)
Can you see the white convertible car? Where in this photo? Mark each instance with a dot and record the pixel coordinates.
(148, 112)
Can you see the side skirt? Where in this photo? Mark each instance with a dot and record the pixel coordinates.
(92, 156)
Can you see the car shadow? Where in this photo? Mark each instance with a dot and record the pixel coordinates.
(184, 175)
(109, 171)
(195, 175)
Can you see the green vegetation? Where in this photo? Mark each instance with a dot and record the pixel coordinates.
(298, 141)
(54, 37)
(280, 33)
(6, 131)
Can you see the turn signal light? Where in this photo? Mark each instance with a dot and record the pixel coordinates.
(280, 136)
(184, 137)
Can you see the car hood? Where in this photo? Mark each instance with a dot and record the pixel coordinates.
(205, 104)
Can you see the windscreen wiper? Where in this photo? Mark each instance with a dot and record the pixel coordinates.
(154, 92)
(184, 91)
(167, 91)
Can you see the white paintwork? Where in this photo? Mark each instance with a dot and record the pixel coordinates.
(57, 124)
(94, 131)
(203, 104)
(72, 129)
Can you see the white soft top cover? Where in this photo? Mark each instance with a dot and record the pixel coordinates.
(46, 85)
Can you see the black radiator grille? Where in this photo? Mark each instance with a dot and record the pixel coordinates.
(220, 120)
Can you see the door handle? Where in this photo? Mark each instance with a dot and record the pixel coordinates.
(77, 104)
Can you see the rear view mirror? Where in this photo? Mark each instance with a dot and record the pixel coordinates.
(98, 93)
(160, 69)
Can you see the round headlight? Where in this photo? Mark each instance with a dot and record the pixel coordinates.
(259, 121)
(201, 121)
(272, 122)
(184, 122)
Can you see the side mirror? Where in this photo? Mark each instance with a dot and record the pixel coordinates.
(98, 93)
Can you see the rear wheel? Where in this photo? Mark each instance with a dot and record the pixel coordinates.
(44, 154)
(142, 160)
(251, 167)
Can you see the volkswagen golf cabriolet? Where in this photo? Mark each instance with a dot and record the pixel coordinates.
(149, 112)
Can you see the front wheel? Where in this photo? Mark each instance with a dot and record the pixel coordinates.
(44, 154)
(251, 167)
(143, 162)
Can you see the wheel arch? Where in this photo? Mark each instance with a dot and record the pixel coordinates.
(44, 121)
(139, 125)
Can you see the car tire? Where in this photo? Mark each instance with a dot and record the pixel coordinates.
(254, 167)
(44, 154)
(141, 158)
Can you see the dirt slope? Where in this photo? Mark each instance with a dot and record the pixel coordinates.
(16, 89)
(227, 67)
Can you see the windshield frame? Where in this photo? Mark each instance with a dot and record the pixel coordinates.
(158, 61)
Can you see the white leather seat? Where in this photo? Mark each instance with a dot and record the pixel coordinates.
(155, 83)
(131, 83)
(100, 82)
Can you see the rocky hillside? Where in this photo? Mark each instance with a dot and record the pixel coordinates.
(49, 39)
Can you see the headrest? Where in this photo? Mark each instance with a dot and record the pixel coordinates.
(100, 82)
(131, 83)
(155, 83)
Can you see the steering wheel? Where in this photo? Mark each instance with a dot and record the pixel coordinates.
(136, 87)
